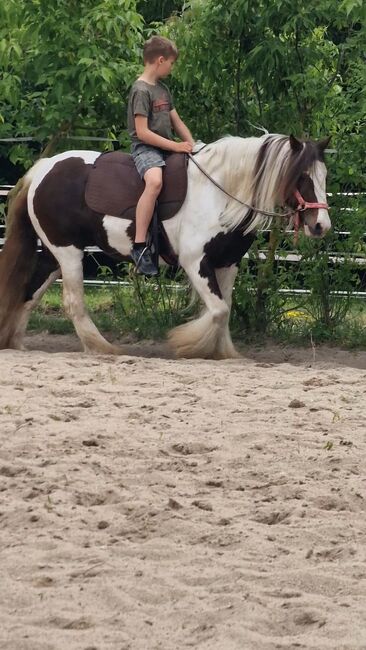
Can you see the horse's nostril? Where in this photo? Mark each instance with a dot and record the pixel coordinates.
(318, 229)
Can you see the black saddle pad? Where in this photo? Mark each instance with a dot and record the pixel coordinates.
(114, 185)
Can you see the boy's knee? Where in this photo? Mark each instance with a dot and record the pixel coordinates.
(154, 182)
(154, 186)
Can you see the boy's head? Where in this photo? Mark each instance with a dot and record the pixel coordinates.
(159, 47)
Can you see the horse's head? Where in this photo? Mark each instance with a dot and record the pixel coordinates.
(305, 189)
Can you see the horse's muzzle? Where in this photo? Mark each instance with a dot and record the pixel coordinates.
(317, 230)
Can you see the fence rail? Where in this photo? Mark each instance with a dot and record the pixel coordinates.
(95, 257)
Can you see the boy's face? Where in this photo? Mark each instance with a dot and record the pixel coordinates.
(165, 66)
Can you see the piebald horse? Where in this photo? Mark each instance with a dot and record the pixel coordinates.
(210, 233)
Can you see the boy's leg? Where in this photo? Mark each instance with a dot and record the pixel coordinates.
(145, 207)
(140, 253)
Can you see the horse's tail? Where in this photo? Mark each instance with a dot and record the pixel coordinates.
(17, 263)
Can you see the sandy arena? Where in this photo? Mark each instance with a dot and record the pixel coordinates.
(148, 503)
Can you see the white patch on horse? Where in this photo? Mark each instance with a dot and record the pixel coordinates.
(318, 175)
(172, 227)
(116, 230)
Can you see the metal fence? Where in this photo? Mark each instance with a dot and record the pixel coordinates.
(95, 257)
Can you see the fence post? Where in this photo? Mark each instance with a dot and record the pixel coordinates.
(265, 279)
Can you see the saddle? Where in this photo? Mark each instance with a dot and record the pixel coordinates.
(114, 186)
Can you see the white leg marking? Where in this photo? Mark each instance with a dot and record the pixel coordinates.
(70, 260)
(226, 278)
(199, 337)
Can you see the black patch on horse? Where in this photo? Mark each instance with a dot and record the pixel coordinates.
(63, 215)
(223, 250)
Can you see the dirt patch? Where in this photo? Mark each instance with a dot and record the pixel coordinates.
(150, 503)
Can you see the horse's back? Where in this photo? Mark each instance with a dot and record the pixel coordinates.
(43, 166)
(56, 198)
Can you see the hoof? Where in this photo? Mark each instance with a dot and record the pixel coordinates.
(105, 348)
(227, 354)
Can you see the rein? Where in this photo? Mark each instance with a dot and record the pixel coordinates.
(302, 204)
(290, 213)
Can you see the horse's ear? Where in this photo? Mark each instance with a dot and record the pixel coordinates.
(295, 144)
(322, 144)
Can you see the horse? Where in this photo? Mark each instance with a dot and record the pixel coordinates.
(244, 181)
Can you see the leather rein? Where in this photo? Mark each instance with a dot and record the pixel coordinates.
(301, 207)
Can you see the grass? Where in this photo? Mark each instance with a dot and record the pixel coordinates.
(349, 333)
(49, 315)
(147, 309)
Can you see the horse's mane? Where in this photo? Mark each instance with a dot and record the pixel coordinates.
(259, 171)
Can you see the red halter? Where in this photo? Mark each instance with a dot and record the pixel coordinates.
(304, 205)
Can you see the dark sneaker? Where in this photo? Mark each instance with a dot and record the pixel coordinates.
(143, 262)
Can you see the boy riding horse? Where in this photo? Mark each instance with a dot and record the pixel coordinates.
(151, 117)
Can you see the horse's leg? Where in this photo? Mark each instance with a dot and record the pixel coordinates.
(226, 278)
(41, 280)
(70, 260)
(200, 337)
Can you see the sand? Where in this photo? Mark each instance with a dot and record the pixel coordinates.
(150, 503)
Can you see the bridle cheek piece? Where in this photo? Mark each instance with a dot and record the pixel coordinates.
(301, 207)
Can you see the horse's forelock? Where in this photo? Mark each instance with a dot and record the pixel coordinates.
(278, 168)
(298, 162)
(269, 155)
(269, 170)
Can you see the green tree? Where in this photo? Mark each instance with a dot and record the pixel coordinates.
(156, 11)
(66, 67)
(289, 65)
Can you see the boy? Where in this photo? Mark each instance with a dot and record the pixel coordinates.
(151, 117)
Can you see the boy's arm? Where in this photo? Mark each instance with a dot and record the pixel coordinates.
(180, 128)
(149, 137)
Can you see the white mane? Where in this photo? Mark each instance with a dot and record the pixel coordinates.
(234, 163)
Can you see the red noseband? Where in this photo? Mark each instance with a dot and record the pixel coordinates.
(304, 205)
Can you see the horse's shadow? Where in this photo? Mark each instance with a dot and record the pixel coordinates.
(322, 356)
(266, 355)
(65, 343)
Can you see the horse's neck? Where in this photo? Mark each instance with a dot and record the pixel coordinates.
(245, 168)
(263, 166)
(238, 158)
(250, 174)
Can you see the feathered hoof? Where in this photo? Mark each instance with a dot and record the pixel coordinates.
(227, 353)
(193, 341)
(103, 348)
(16, 346)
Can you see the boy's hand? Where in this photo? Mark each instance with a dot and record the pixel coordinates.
(182, 147)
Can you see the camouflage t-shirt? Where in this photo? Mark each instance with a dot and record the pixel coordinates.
(153, 101)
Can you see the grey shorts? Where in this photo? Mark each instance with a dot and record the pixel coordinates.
(145, 157)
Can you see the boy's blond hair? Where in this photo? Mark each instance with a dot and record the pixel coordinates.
(159, 46)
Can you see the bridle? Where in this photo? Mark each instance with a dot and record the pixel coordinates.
(304, 205)
(301, 207)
